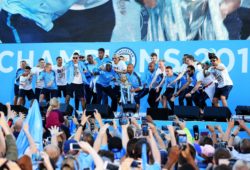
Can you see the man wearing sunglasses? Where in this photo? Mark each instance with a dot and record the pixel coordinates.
(186, 88)
(76, 79)
(225, 83)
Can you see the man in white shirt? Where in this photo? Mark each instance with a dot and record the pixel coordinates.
(76, 80)
(61, 77)
(225, 84)
(25, 87)
(39, 83)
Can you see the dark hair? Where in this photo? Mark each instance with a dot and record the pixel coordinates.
(212, 56)
(186, 166)
(169, 67)
(87, 137)
(191, 67)
(115, 143)
(58, 57)
(131, 133)
(206, 141)
(245, 146)
(41, 59)
(182, 160)
(221, 153)
(89, 55)
(138, 148)
(153, 54)
(76, 53)
(131, 147)
(108, 154)
(101, 49)
(190, 57)
(222, 167)
(28, 67)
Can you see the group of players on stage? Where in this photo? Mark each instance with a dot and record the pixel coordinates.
(92, 81)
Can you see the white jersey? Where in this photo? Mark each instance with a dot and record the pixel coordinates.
(121, 65)
(207, 82)
(61, 77)
(77, 75)
(222, 77)
(37, 71)
(25, 83)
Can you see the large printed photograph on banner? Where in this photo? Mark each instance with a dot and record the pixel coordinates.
(29, 21)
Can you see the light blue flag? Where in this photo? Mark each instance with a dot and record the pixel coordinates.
(34, 120)
(144, 156)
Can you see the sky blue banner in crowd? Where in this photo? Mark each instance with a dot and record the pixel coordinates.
(234, 54)
(34, 120)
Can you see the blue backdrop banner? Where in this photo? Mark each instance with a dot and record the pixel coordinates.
(234, 54)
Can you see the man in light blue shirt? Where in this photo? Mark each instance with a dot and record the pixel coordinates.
(50, 87)
(168, 89)
(89, 74)
(146, 82)
(19, 72)
(104, 85)
(100, 64)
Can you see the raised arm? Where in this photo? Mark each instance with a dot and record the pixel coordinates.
(32, 143)
(99, 138)
(157, 136)
(84, 119)
(11, 148)
(125, 137)
(243, 126)
(155, 151)
(97, 159)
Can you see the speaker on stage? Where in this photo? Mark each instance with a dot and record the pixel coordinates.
(129, 108)
(242, 110)
(103, 109)
(217, 114)
(16, 108)
(187, 112)
(159, 113)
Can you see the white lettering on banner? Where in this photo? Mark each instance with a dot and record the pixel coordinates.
(171, 56)
(203, 51)
(144, 56)
(172, 60)
(94, 53)
(29, 60)
(244, 53)
(47, 57)
(3, 55)
(230, 55)
(66, 58)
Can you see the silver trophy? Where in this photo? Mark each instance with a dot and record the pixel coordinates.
(186, 20)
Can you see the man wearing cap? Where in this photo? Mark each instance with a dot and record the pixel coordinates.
(225, 83)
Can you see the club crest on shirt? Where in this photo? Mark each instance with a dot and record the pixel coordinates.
(128, 54)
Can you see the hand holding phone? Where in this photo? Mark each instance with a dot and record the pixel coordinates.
(144, 128)
(196, 132)
(74, 146)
